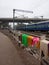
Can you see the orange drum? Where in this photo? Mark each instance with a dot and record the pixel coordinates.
(30, 38)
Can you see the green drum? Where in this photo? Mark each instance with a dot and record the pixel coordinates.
(24, 40)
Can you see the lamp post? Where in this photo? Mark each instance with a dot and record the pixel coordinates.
(42, 17)
(19, 11)
(13, 17)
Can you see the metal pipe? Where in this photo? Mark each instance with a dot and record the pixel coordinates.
(23, 11)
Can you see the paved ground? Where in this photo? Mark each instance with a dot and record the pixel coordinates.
(8, 53)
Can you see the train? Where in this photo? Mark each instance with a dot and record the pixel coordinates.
(39, 26)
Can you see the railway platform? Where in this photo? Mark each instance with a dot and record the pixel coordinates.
(8, 53)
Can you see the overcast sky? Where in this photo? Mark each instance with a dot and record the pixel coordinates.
(39, 7)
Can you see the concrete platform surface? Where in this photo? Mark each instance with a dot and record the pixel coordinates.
(8, 53)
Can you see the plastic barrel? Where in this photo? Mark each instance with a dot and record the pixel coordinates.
(48, 49)
(24, 40)
(44, 46)
(30, 38)
(36, 42)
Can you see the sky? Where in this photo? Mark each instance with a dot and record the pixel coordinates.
(39, 8)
